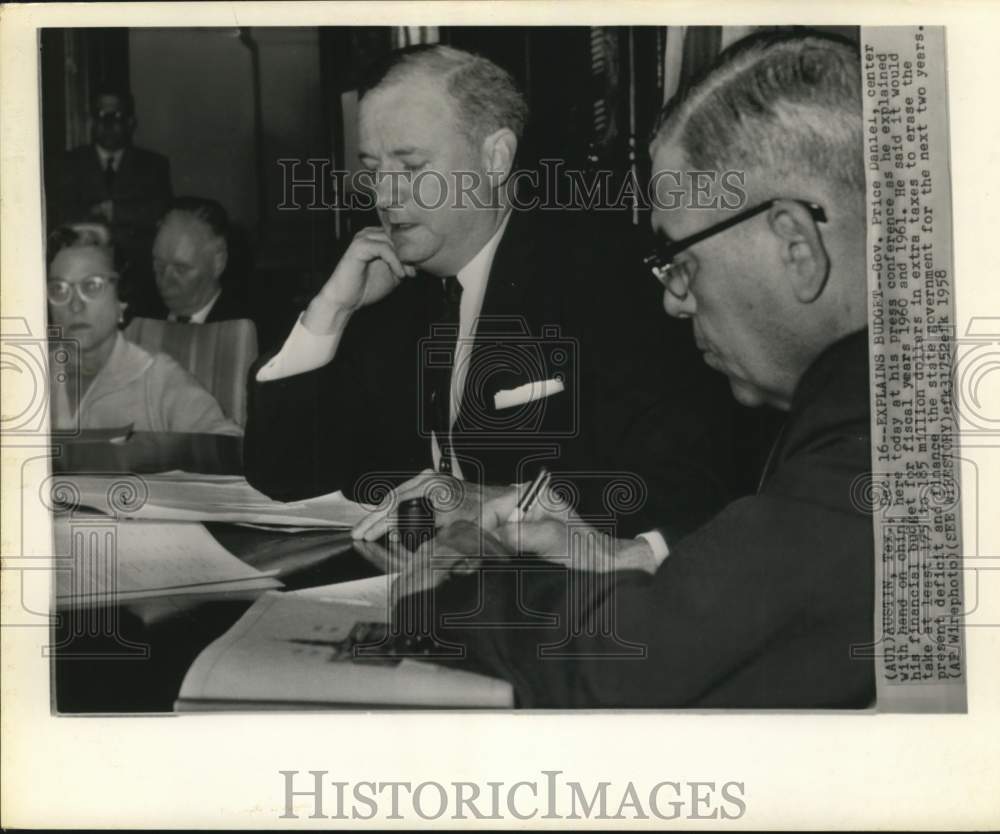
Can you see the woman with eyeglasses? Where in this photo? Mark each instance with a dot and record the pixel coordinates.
(97, 378)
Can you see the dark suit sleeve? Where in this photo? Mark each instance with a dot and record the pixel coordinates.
(759, 608)
(345, 426)
(301, 433)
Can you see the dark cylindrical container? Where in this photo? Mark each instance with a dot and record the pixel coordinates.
(414, 522)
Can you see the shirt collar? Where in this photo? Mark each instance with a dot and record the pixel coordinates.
(199, 316)
(105, 155)
(474, 274)
(126, 362)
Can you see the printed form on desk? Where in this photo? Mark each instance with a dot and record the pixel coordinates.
(295, 651)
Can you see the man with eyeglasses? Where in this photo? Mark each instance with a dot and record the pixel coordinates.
(769, 604)
(114, 182)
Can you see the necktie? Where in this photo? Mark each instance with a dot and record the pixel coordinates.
(448, 300)
(182, 319)
(109, 174)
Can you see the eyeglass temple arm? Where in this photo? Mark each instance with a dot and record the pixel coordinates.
(815, 210)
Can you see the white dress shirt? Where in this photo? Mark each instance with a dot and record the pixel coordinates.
(199, 316)
(305, 351)
(658, 544)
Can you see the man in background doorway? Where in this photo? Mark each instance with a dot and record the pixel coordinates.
(112, 181)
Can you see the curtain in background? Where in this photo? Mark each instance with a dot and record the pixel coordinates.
(673, 57)
(412, 35)
(76, 87)
(78, 61)
(605, 84)
(701, 46)
(691, 49)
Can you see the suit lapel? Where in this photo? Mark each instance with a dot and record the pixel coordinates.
(503, 316)
(517, 305)
(126, 165)
(123, 173)
(512, 277)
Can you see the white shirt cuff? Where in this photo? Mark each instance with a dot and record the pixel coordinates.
(302, 351)
(658, 544)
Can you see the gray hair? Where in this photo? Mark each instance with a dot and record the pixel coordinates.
(787, 104)
(486, 95)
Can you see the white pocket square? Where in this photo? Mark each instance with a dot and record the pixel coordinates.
(527, 393)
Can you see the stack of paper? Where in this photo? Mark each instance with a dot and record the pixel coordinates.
(183, 496)
(102, 563)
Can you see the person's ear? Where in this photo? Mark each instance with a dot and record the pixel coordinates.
(122, 307)
(221, 258)
(498, 151)
(806, 262)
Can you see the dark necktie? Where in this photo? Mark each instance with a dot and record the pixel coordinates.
(445, 314)
(182, 319)
(109, 174)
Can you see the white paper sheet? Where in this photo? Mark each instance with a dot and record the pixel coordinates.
(99, 561)
(189, 497)
(372, 591)
(289, 650)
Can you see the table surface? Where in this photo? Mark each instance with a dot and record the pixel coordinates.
(145, 452)
(133, 657)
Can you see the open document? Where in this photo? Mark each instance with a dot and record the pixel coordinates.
(294, 650)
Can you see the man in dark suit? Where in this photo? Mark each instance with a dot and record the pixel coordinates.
(464, 336)
(113, 181)
(764, 605)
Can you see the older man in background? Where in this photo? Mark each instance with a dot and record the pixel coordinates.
(190, 256)
(767, 603)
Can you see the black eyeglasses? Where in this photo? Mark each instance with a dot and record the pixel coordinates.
(661, 262)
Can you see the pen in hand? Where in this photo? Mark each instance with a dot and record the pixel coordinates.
(530, 496)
